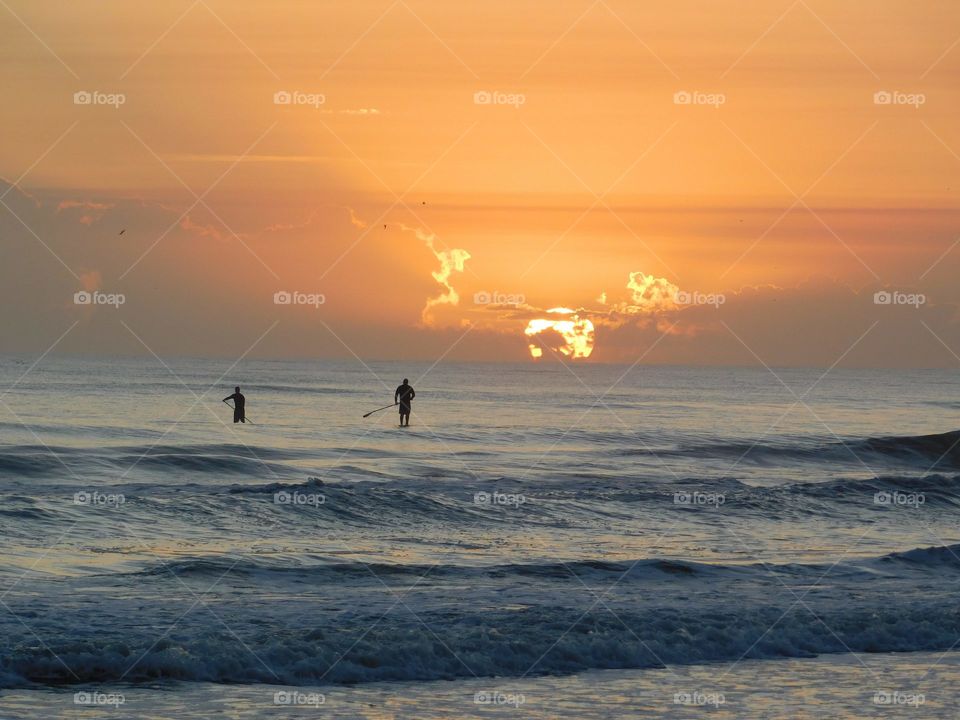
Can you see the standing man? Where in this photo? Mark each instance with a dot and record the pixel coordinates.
(239, 405)
(403, 396)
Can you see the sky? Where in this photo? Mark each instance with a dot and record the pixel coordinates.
(590, 181)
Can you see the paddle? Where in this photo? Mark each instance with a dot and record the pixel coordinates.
(379, 409)
(245, 418)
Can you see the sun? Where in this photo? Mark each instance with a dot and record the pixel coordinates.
(576, 336)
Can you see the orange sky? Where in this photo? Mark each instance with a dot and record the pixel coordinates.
(788, 185)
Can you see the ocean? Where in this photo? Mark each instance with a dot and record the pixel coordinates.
(545, 539)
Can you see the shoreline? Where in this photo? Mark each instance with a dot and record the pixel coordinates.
(836, 686)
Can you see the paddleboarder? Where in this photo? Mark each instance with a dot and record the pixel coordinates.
(239, 405)
(403, 396)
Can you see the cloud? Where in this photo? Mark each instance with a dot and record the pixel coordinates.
(205, 231)
(354, 220)
(67, 204)
(652, 301)
(91, 211)
(352, 111)
(250, 158)
(451, 261)
(818, 322)
(651, 294)
(179, 306)
(284, 227)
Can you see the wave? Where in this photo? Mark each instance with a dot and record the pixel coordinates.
(43, 460)
(935, 487)
(927, 451)
(30, 464)
(275, 487)
(660, 569)
(939, 448)
(900, 496)
(197, 463)
(721, 618)
(928, 557)
(28, 513)
(331, 570)
(380, 502)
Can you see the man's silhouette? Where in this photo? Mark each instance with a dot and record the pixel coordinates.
(404, 396)
(239, 405)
